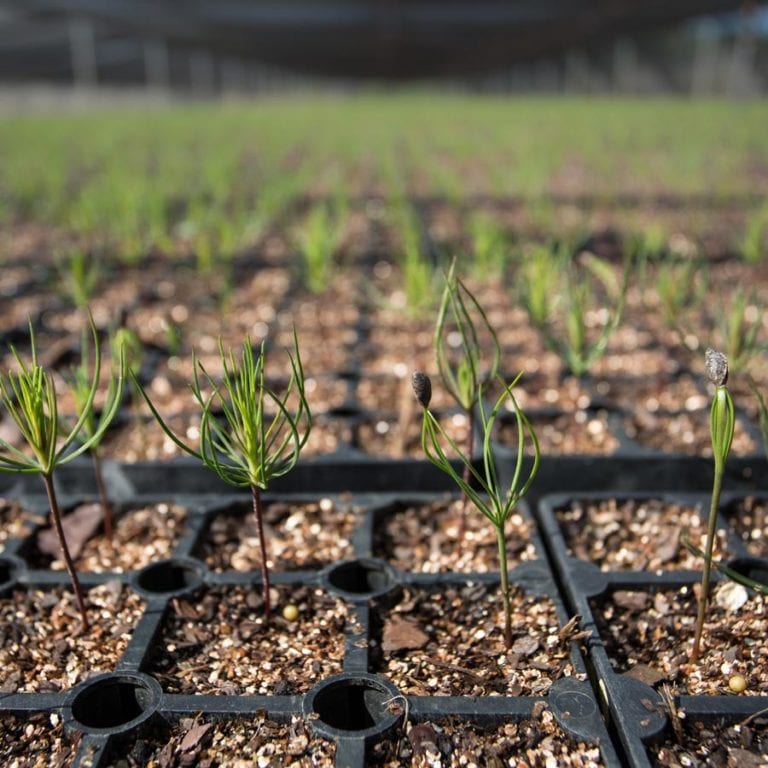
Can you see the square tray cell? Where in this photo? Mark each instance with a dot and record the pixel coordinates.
(384, 436)
(440, 536)
(206, 740)
(141, 536)
(41, 645)
(449, 641)
(653, 629)
(301, 535)
(219, 643)
(684, 432)
(537, 741)
(633, 534)
(581, 432)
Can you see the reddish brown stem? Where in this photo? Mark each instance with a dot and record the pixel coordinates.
(257, 511)
(56, 515)
(106, 507)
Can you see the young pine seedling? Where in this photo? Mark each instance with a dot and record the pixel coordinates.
(29, 396)
(462, 331)
(483, 490)
(79, 274)
(319, 241)
(244, 443)
(739, 324)
(576, 305)
(93, 428)
(721, 424)
(418, 274)
(489, 246)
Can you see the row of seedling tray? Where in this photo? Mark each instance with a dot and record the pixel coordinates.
(387, 690)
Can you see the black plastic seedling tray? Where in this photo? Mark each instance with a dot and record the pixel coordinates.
(353, 708)
(636, 710)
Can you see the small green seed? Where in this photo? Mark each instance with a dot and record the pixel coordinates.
(290, 613)
(737, 683)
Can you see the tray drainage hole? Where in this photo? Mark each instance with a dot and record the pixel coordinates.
(168, 576)
(114, 703)
(361, 577)
(353, 705)
(752, 567)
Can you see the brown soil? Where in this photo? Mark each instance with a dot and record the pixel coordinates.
(299, 536)
(697, 744)
(328, 435)
(394, 394)
(577, 433)
(656, 629)
(634, 535)
(14, 521)
(220, 643)
(461, 652)
(426, 538)
(686, 433)
(628, 360)
(144, 440)
(534, 743)
(212, 743)
(399, 347)
(392, 438)
(35, 740)
(41, 644)
(749, 518)
(539, 391)
(651, 393)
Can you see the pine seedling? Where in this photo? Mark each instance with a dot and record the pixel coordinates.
(489, 246)
(483, 489)
(319, 240)
(79, 385)
(79, 274)
(681, 287)
(244, 444)
(561, 295)
(29, 396)
(721, 425)
(465, 369)
(739, 324)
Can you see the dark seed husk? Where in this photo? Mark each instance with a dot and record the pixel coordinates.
(422, 388)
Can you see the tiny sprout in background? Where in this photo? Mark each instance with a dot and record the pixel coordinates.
(561, 293)
(79, 274)
(721, 424)
(259, 434)
(483, 488)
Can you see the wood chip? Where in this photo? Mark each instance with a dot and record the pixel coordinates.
(423, 738)
(525, 646)
(646, 674)
(79, 526)
(194, 736)
(668, 544)
(634, 601)
(401, 634)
